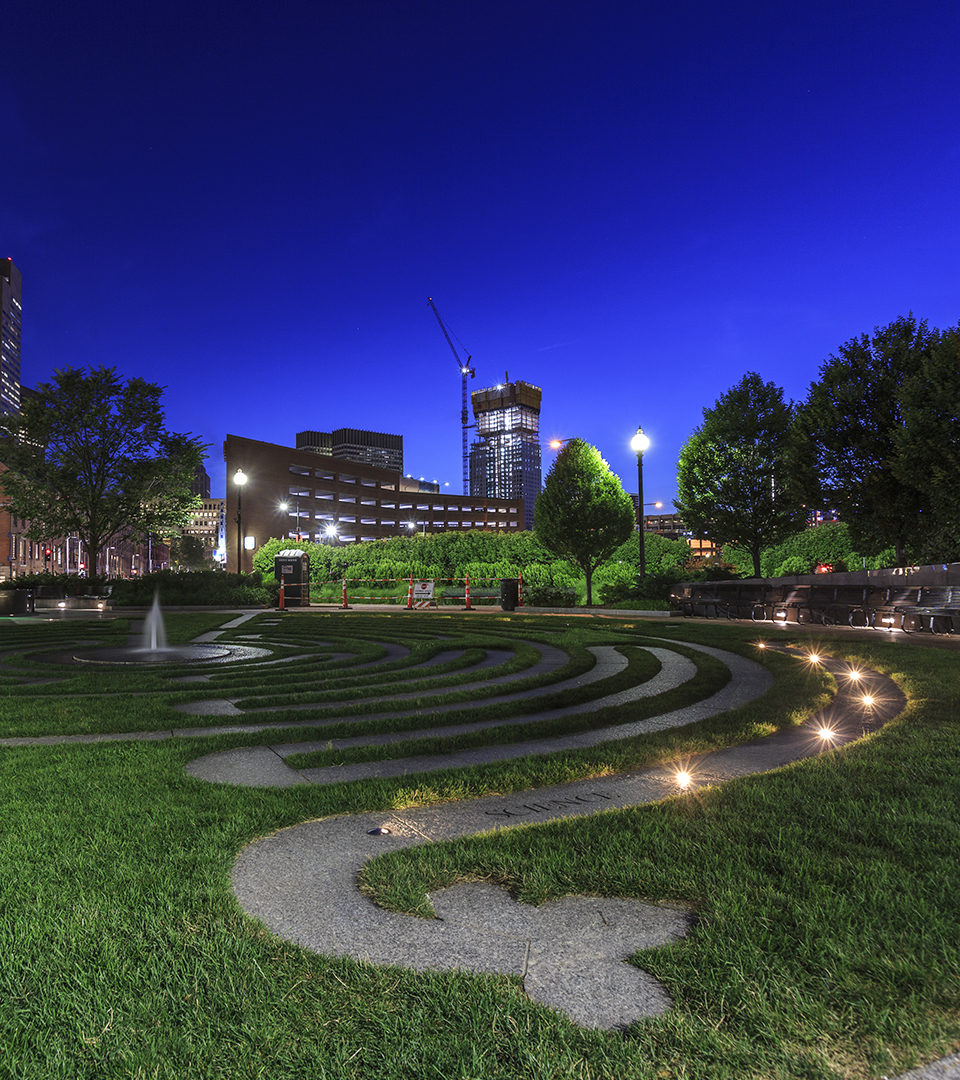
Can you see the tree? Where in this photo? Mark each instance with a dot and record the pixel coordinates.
(91, 456)
(854, 421)
(737, 476)
(187, 553)
(928, 445)
(583, 514)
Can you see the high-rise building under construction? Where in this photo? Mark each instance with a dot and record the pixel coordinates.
(505, 456)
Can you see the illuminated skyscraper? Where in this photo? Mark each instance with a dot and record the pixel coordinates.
(9, 337)
(505, 458)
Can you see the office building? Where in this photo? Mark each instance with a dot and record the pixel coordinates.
(353, 444)
(208, 523)
(505, 457)
(292, 491)
(200, 485)
(10, 318)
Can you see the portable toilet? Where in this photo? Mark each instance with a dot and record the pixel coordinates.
(292, 569)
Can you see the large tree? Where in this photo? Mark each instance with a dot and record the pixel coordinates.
(928, 446)
(737, 474)
(91, 456)
(854, 421)
(583, 514)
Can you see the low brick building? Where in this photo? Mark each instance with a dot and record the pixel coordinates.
(359, 501)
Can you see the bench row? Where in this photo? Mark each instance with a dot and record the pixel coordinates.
(926, 608)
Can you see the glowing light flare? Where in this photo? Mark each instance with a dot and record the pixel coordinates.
(761, 644)
(684, 779)
(854, 675)
(827, 734)
(868, 700)
(813, 658)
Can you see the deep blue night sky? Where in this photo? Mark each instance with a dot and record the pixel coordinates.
(628, 204)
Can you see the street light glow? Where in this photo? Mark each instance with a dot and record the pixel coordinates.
(640, 442)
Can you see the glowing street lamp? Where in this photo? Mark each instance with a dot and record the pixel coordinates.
(239, 478)
(331, 531)
(638, 444)
(285, 506)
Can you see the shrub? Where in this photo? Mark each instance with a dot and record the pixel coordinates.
(202, 587)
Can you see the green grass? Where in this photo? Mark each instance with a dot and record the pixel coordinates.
(826, 893)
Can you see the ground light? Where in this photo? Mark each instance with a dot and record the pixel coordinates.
(826, 734)
(868, 700)
(684, 779)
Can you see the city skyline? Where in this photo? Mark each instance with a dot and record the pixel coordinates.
(627, 205)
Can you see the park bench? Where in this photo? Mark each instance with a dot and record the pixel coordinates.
(793, 605)
(896, 610)
(839, 605)
(707, 601)
(748, 602)
(932, 607)
(853, 601)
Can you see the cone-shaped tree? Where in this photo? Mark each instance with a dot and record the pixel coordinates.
(583, 514)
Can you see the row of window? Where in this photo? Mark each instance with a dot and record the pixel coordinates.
(418, 524)
(344, 478)
(449, 508)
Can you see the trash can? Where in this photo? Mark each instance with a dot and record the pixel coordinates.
(16, 602)
(509, 593)
(292, 569)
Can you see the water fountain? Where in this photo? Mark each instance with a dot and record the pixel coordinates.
(154, 631)
(153, 647)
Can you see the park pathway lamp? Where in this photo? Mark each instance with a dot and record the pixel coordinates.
(639, 443)
(239, 478)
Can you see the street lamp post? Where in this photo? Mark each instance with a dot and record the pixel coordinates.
(639, 443)
(239, 478)
(285, 507)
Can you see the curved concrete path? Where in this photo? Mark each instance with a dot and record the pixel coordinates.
(301, 881)
(265, 765)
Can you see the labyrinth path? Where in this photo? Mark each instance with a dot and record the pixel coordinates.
(376, 697)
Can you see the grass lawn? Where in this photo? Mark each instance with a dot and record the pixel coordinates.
(827, 894)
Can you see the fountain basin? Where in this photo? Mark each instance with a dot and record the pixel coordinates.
(169, 654)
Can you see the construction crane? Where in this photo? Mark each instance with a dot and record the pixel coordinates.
(465, 370)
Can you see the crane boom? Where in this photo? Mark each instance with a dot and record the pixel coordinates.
(465, 371)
